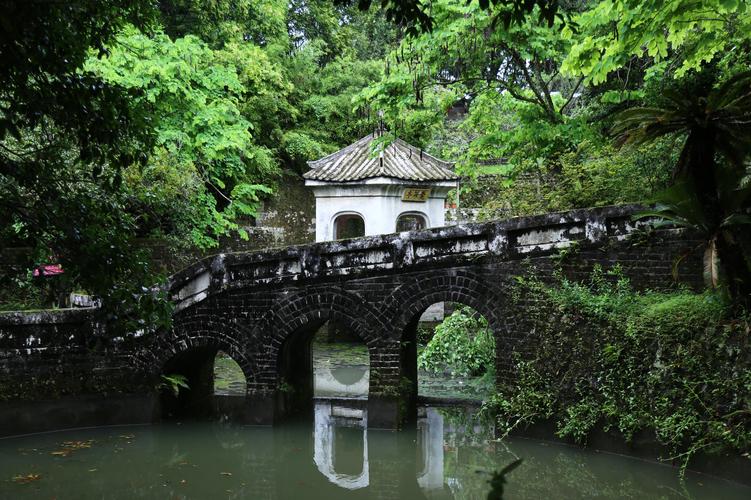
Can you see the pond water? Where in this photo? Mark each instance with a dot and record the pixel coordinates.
(447, 455)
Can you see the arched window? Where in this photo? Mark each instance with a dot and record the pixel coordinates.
(410, 222)
(348, 226)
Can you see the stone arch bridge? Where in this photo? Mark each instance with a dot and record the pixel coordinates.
(262, 308)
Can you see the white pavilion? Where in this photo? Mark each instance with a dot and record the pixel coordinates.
(367, 189)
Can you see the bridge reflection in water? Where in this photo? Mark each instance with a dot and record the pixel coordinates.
(341, 452)
(331, 455)
(341, 381)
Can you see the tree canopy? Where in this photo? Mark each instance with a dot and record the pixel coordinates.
(176, 119)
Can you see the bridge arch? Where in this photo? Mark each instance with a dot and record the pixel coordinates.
(189, 349)
(292, 324)
(411, 299)
(293, 312)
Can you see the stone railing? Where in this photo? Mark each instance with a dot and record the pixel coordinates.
(508, 239)
(46, 329)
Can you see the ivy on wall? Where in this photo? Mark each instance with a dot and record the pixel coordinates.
(670, 365)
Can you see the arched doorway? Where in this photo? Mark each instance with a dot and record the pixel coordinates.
(411, 221)
(350, 225)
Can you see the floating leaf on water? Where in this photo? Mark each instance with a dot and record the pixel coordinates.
(225, 473)
(28, 478)
(68, 447)
(78, 445)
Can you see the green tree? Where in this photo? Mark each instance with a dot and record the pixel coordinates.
(716, 123)
(418, 16)
(191, 98)
(262, 22)
(463, 343)
(467, 52)
(689, 32)
(65, 136)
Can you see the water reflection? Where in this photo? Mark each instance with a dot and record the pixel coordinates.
(340, 436)
(352, 437)
(333, 456)
(430, 448)
(341, 381)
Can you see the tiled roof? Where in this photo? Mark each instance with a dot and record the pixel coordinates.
(398, 160)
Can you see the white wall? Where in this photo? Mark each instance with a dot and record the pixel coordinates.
(378, 201)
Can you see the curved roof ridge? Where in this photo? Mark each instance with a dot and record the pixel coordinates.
(399, 160)
(448, 164)
(315, 163)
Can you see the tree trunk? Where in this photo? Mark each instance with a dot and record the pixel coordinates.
(698, 155)
(735, 267)
(701, 168)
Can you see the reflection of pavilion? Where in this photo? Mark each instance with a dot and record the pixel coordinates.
(333, 421)
(341, 381)
(430, 449)
(340, 437)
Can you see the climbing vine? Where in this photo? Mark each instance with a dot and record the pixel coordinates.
(670, 365)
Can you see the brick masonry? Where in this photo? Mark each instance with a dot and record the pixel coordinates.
(263, 307)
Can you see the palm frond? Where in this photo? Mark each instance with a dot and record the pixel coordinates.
(731, 92)
(639, 125)
(679, 205)
(736, 220)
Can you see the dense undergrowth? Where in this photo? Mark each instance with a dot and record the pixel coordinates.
(19, 293)
(462, 344)
(462, 348)
(669, 366)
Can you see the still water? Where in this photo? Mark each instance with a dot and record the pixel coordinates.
(448, 455)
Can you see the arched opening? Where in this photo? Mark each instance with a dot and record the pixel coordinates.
(411, 221)
(201, 382)
(229, 379)
(324, 360)
(341, 364)
(450, 359)
(187, 384)
(348, 226)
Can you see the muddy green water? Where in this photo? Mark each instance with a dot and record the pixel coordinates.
(330, 455)
(446, 456)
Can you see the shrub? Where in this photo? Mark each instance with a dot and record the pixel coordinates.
(462, 344)
(673, 364)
